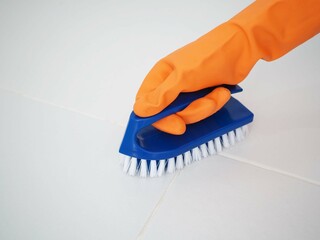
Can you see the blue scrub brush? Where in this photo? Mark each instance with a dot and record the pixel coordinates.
(149, 152)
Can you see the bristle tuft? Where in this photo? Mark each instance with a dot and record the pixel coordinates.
(225, 141)
(187, 158)
(196, 154)
(143, 168)
(211, 148)
(204, 150)
(161, 167)
(133, 167)
(153, 168)
(171, 165)
(126, 163)
(217, 143)
(232, 138)
(239, 135)
(179, 162)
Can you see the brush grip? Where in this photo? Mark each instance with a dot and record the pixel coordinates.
(181, 102)
(134, 146)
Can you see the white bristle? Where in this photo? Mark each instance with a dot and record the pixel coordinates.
(153, 168)
(211, 149)
(126, 163)
(217, 143)
(225, 141)
(133, 167)
(143, 168)
(179, 163)
(245, 130)
(204, 150)
(171, 165)
(239, 135)
(196, 154)
(161, 167)
(232, 138)
(187, 158)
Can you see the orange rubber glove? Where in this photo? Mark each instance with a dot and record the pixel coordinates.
(267, 29)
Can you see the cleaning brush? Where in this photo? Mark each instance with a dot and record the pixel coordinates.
(149, 152)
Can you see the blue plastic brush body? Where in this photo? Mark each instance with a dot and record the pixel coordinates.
(143, 141)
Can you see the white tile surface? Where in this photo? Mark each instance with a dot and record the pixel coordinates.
(91, 56)
(60, 176)
(220, 198)
(284, 96)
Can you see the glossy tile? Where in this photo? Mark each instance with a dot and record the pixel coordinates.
(219, 198)
(60, 176)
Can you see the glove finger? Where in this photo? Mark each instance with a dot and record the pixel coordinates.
(206, 106)
(172, 124)
(156, 100)
(160, 71)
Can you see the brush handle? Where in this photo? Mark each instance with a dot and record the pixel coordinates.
(132, 146)
(143, 141)
(181, 102)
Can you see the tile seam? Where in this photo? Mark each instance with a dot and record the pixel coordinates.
(268, 168)
(39, 100)
(156, 208)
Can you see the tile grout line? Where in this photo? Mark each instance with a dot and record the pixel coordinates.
(262, 166)
(155, 209)
(58, 106)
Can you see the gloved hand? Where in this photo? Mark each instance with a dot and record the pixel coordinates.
(267, 29)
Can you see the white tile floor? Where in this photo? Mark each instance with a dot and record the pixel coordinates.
(68, 75)
(61, 179)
